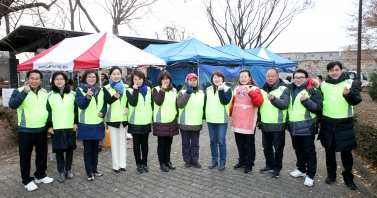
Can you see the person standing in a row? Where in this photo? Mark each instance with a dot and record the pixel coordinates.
(190, 103)
(140, 118)
(165, 124)
(30, 102)
(62, 123)
(217, 102)
(116, 118)
(247, 98)
(305, 103)
(91, 127)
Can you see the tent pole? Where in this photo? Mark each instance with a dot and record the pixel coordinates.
(100, 76)
(197, 65)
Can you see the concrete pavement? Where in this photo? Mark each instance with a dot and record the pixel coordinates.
(183, 182)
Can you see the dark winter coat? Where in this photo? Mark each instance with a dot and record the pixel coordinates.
(340, 129)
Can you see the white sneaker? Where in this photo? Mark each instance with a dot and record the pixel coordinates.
(129, 136)
(45, 180)
(31, 186)
(308, 181)
(297, 173)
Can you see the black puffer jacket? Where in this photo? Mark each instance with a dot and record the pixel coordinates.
(340, 129)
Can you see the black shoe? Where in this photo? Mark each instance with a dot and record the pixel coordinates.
(276, 174)
(139, 168)
(248, 168)
(69, 175)
(116, 171)
(98, 174)
(170, 166)
(213, 165)
(266, 170)
(350, 185)
(145, 168)
(90, 177)
(222, 166)
(330, 180)
(164, 167)
(123, 169)
(61, 177)
(239, 165)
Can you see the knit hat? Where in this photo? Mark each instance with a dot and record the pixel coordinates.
(191, 75)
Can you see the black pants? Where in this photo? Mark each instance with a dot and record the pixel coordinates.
(246, 147)
(140, 148)
(64, 164)
(91, 156)
(26, 142)
(306, 155)
(164, 149)
(347, 161)
(271, 141)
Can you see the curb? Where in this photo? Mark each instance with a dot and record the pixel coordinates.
(364, 172)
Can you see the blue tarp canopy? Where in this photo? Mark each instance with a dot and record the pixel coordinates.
(259, 73)
(178, 75)
(267, 54)
(191, 51)
(248, 59)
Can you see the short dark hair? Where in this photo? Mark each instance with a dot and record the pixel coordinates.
(217, 73)
(252, 82)
(53, 86)
(34, 71)
(333, 64)
(289, 78)
(90, 71)
(319, 76)
(162, 75)
(139, 74)
(272, 68)
(114, 68)
(301, 71)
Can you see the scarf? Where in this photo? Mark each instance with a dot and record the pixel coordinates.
(143, 90)
(61, 90)
(118, 86)
(95, 88)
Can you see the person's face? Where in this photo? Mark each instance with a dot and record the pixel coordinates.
(59, 81)
(299, 78)
(193, 82)
(335, 72)
(34, 80)
(116, 76)
(102, 77)
(91, 79)
(138, 81)
(271, 77)
(244, 78)
(165, 81)
(217, 80)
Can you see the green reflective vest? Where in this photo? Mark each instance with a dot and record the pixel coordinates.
(269, 113)
(115, 111)
(297, 112)
(334, 104)
(90, 114)
(141, 114)
(192, 113)
(62, 109)
(167, 111)
(215, 111)
(32, 113)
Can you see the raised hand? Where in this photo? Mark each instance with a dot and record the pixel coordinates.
(89, 93)
(303, 97)
(346, 91)
(27, 88)
(270, 97)
(117, 95)
(221, 86)
(135, 86)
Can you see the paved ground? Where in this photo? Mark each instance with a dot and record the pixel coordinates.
(182, 182)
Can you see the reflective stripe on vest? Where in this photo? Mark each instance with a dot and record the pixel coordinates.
(90, 114)
(62, 109)
(334, 104)
(32, 113)
(192, 113)
(115, 111)
(215, 111)
(297, 112)
(142, 113)
(167, 111)
(269, 113)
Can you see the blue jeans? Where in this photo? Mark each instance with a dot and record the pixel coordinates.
(217, 134)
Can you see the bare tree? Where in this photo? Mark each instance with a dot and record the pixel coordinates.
(175, 32)
(252, 23)
(124, 12)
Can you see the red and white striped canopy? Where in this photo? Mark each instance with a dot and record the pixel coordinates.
(89, 52)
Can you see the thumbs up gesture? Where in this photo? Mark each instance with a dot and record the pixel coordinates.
(89, 93)
(27, 88)
(271, 97)
(346, 91)
(303, 97)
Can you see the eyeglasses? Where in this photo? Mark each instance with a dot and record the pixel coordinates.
(59, 79)
(299, 78)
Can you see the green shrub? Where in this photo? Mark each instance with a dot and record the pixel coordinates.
(8, 117)
(366, 135)
(372, 87)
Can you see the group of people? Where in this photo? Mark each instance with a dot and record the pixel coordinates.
(302, 107)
